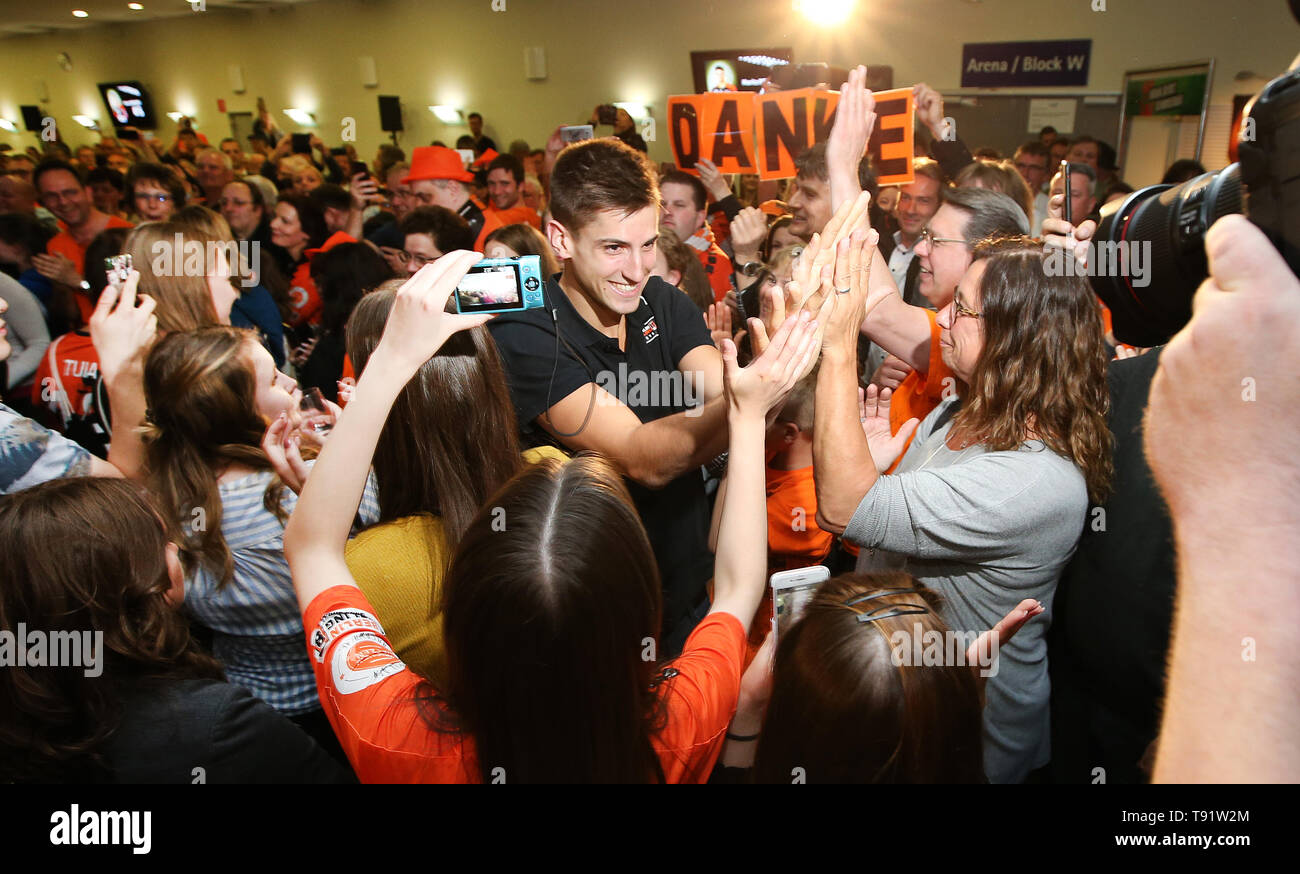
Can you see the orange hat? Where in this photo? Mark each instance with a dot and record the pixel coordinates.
(488, 156)
(436, 162)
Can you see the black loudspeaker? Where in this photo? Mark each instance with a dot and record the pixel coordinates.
(390, 114)
(31, 117)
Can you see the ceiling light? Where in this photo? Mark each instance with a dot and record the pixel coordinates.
(447, 114)
(636, 110)
(135, 6)
(8, 125)
(86, 121)
(80, 13)
(176, 116)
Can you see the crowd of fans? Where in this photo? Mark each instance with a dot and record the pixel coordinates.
(331, 529)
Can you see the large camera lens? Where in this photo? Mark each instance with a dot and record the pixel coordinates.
(1163, 228)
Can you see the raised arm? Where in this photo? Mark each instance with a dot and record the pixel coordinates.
(855, 118)
(123, 328)
(740, 569)
(417, 327)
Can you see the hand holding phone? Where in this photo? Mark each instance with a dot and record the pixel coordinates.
(1067, 211)
(791, 592)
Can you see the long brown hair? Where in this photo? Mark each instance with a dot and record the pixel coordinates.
(83, 554)
(1043, 365)
(201, 393)
(844, 712)
(169, 273)
(552, 606)
(451, 439)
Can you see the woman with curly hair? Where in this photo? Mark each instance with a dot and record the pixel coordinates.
(987, 505)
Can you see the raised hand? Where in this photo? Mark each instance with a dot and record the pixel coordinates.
(891, 373)
(281, 445)
(855, 118)
(123, 326)
(419, 324)
(873, 410)
(718, 319)
(714, 182)
(748, 229)
(929, 110)
(762, 386)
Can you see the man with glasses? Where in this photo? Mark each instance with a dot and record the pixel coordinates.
(917, 204)
(431, 232)
(944, 251)
(1031, 162)
(62, 190)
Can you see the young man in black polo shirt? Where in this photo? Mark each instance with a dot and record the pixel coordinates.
(622, 363)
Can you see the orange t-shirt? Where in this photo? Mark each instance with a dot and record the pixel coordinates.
(920, 392)
(515, 215)
(368, 694)
(63, 243)
(793, 538)
(78, 366)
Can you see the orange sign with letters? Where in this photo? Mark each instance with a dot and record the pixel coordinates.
(746, 133)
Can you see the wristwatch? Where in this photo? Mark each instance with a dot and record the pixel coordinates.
(752, 268)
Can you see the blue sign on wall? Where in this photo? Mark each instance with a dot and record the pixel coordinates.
(1025, 64)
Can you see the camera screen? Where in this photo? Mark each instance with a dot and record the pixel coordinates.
(790, 604)
(491, 288)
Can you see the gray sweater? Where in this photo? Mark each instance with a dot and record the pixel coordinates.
(985, 530)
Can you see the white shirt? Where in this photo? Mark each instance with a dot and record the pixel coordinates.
(899, 260)
(1040, 213)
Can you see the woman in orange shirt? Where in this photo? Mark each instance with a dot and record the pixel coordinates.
(552, 598)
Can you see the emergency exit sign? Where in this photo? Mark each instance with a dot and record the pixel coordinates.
(1049, 64)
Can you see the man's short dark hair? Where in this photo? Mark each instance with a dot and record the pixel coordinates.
(106, 174)
(465, 141)
(474, 115)
(25, 231)
(811, 164)
(49, 165)
(1035, 148)
(448, 230)
(329, 195)
(992, 214)
(699, 193)
(1048, 129)
(161, 176)
(508, 162)
(1083, 170)
(596, 175)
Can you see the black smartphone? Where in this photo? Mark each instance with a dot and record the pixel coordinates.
(360, 167)
(301, 144)
(606, 113)
(1067, 212)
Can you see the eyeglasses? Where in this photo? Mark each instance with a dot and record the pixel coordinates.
(420, 260)
(960, 309)
(930, 238)
(153, 198)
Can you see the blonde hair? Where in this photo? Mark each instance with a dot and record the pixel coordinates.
(175, 259)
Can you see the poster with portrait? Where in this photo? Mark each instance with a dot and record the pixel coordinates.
(726, 71)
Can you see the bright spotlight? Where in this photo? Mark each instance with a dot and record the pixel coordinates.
(825, 13)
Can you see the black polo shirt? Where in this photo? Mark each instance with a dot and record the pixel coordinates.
(472, 215)
(663, 329)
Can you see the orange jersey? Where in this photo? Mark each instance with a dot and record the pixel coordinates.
(63, 243)
(76, 364)
(491, 221)
(368, 695)
(515, 215)
(303, 295)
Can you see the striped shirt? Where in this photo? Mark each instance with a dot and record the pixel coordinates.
(256, 623)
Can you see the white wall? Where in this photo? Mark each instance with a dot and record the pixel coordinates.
(460, 52)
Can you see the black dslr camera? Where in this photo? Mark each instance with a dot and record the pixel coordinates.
(1264, 184)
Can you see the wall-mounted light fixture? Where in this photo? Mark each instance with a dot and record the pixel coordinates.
(448, 114)
(86, 121)
(8, 125)
(302, 117)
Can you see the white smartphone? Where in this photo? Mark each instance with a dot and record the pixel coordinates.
(791, 592)
(576, 133)
(466, 156)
